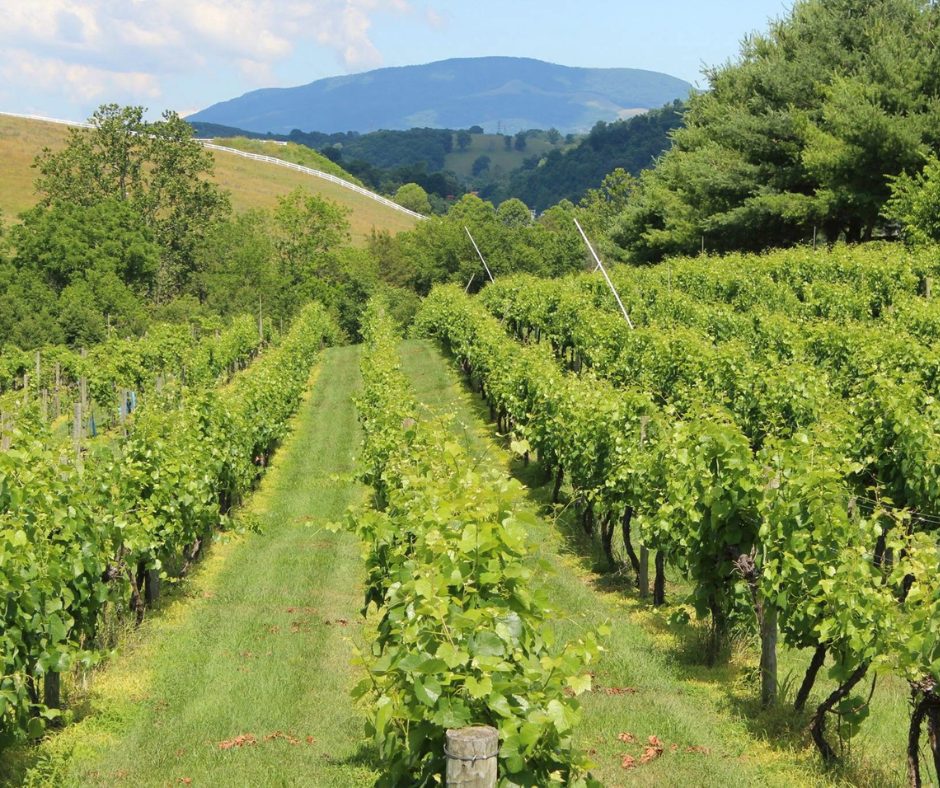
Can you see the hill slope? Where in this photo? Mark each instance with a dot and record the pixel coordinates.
(252, 184)
(511, 94)
(567, 175)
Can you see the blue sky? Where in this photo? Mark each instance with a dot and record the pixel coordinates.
(62, 58)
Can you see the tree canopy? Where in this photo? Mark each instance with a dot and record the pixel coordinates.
(157, 169)
(803, 131)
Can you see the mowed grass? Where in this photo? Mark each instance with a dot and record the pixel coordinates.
(492, 145)
(252, 184)
(652, 679)
(244, 679)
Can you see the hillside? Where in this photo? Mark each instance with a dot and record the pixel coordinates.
(252, 184)
(632, 145)
(511, 94)
(492, 145)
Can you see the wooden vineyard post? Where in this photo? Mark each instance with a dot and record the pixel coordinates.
(768, 655)
(77, 426)
(471, 757)
(929, 286)
(26, 388)
(4, 438)
(38, 370)
(83, 385)
(58, 382)
(644, 579)
(50, 690)
(45, 404)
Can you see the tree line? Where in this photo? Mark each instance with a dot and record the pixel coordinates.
(803, 136)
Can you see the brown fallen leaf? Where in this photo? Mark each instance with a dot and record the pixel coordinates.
(651, 754)
(180, 753)
(628, 762)
(245, 740)
(627, 738)
(701, 750)
(186, 780)
(620, 690)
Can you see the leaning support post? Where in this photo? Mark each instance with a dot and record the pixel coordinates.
(471, 757)
(488, 272)
(604, 271)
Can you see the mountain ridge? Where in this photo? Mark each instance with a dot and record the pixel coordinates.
(498, 93)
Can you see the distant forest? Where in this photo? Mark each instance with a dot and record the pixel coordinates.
(384, 160)
(631, 145)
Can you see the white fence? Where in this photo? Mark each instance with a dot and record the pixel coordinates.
(257, 157)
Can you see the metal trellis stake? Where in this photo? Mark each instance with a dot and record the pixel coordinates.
(480, 254)
(604, 271)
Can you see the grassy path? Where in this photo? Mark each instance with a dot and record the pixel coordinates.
(652, 684)
(260, 644)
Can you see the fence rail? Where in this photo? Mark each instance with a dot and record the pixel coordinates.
(256, 157)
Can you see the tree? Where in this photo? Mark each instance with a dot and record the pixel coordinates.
(507, 142)
(554, 136)
(915, 204)
(514, 214)
(464, 140)
(476, 130)
(99, 261)
(414, 198)
(521, 142)
(157, 168)
(805, 130)
(480, 165)
(602, 206)
(306, 230)
(65, 241)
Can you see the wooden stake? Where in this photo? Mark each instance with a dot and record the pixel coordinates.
(50, 691)
(77, 425)
(644, 579)
(471, 757)
(929, 286)
(768, 655)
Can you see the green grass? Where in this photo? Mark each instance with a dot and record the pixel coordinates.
(258, 642)
(252, 184)
(291, 151)
(492, 145)
(659, 683)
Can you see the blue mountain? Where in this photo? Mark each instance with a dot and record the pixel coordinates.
(498, 93)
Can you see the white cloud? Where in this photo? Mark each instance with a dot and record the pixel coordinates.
(124, 49)
(82, 83)
(435, 20)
